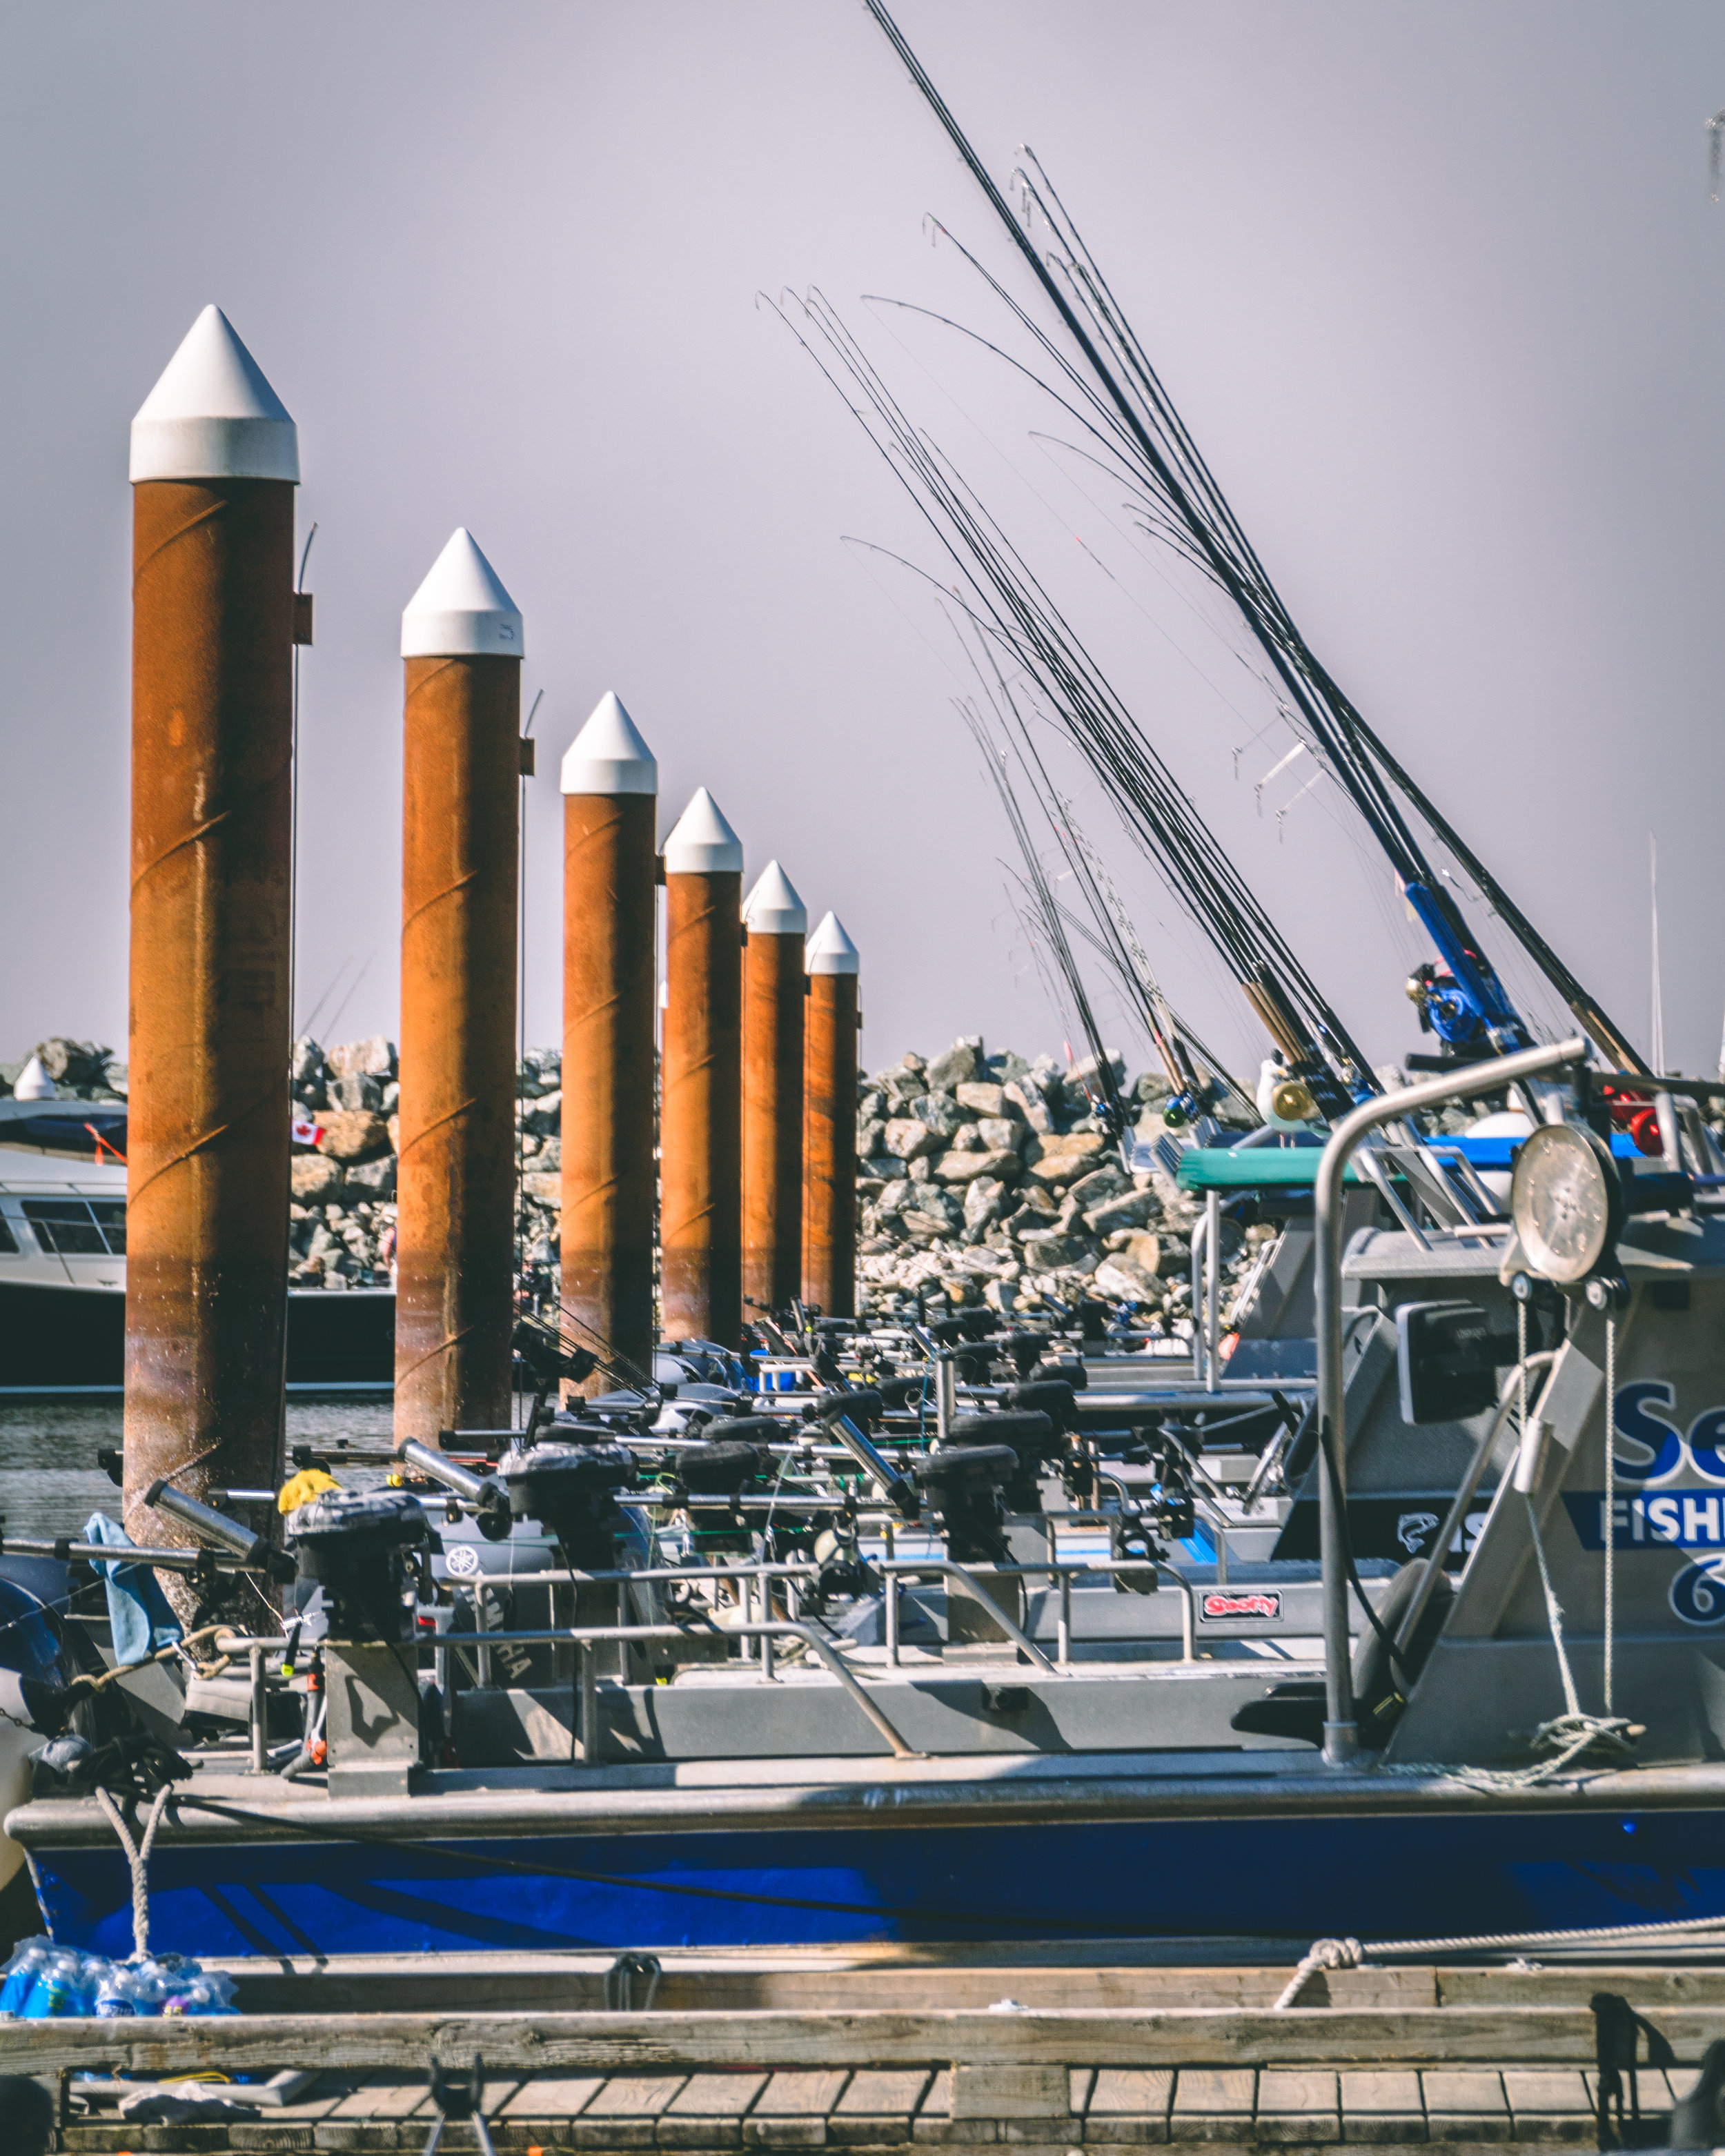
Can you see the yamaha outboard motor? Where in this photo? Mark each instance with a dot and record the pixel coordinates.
(571, 1491)
(965, 1479)
(361, 1546)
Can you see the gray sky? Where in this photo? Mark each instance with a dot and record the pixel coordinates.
(1437, 288)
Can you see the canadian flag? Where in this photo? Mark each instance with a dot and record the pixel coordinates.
(305, 1133)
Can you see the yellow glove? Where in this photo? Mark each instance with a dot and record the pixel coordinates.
(301, 1488)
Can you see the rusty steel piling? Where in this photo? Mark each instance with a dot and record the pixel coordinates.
(215, 463)
(700, 1121)
(829, 1123)
(773, 994)
(461, 644)
(610, 786)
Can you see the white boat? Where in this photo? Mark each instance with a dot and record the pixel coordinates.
(63, 1266)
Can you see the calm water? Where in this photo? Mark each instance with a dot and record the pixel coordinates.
(50, 1483)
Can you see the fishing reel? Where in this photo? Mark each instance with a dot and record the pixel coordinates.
(363, 1547)
(551, 1360)
(1443, 1006)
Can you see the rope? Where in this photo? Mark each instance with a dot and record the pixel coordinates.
(1351, 1954)
(137, 1857)
(1553, 1613)
(1323, 1953)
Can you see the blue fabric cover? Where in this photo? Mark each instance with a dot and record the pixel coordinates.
(137, 1608)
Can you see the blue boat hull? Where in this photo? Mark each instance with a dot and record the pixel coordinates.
(1405, 1875)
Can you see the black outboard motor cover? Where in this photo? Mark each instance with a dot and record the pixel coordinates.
(725, 1460)
(1050, 1396)
(355, 1543)
(865, 1406)
(966, 1482)
(571, 1491)
(1035, 1442)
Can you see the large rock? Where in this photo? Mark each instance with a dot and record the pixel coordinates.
(956, 1166)
(75, 1063)
(903, 1085)
(870, 1132)
(982, 1097)
(1003, 1133)
(1022, 1094)
(961, 1061)
(369, 1059)
(393, 1128)
(1064, 1159)
(1102, 1184)
(940, 1113)
(548, 1189)
(1045, 1248)
(1119, 1276)
(357, 1090)
(374, 1179)
(985, 1199)
(314, 1180)
(907, 1139)
(1130, 1211)
(1145, 1252)
(353, 1134)
(934, 1204)
(545, 1115)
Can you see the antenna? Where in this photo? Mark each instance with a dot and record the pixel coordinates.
(1656, 1001)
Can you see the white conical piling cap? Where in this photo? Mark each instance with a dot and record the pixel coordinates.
(829, 950)
(212, 415)
(607, 756)
(461, 611)
(33, 1083)
(701, 843)
(773, 907)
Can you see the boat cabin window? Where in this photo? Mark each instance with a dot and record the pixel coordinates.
(9, 1241)
(75, 1228)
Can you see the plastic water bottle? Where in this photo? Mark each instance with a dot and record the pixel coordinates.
(113, 1999)
(52, 1993)
(20, 1973)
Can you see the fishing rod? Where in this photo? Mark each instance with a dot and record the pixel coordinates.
(1009, 609)
(1109, 930)
(1466, 1005)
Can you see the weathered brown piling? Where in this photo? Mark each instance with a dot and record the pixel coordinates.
(610, 785)
(461, 641)
(829, 1123)
(773, 995)
(700, 1119)
(214, 464)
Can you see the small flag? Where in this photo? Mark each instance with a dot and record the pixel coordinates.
(306, 1133)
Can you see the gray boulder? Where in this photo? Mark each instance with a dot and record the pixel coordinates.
(961, 1061)
(372, 1059)
(940, 1113)
(314, 1178)
(964, 1167)
(357, 1090)
(374, 1179)
(350, 1134)
(909, 1139)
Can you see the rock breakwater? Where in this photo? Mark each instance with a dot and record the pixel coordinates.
(982, 1178)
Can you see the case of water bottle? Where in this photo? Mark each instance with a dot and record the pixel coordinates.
(44, 1979)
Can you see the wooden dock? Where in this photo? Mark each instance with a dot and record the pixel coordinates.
(1461, 2056)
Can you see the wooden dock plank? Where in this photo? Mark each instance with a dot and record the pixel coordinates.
(1296, 2106)
(677, 2044)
